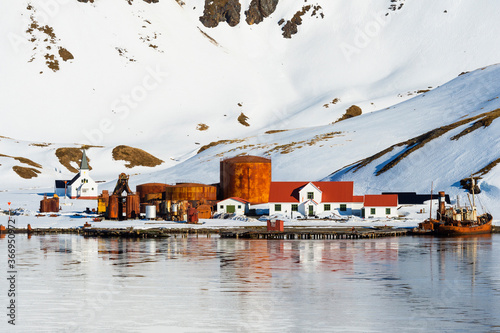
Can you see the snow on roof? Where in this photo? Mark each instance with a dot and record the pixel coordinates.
(332, 191)
(381, 200)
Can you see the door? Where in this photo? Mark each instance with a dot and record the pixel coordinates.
(311, 210)
(230, 208)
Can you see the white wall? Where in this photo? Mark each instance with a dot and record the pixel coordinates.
(380, 212)
(240, 208)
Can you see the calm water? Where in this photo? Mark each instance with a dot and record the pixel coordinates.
(71, 284)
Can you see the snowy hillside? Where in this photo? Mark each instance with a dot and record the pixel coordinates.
(439, 137)
(155, 76)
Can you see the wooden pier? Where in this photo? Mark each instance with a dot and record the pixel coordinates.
(315, 234)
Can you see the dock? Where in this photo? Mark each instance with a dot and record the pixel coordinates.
(297, 233)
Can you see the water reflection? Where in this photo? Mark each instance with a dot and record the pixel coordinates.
(408, 283)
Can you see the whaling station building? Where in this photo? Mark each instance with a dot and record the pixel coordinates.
(248, 180)
(244, 180)
(322, 198)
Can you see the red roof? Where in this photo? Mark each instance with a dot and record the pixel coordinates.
(332, 191)
(381, 200)
(358, 198)
(237, 199)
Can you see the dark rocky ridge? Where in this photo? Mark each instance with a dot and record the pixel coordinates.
(221, 11)
(259, 10)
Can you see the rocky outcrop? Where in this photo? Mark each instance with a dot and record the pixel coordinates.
(259, 10)
(290, 27)
(221, 11)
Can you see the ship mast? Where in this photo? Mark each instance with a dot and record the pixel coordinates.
(473, 184)
(430, 208)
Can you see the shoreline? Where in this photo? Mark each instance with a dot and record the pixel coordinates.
(250, 232)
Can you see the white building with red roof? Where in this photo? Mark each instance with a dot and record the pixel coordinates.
(312, 198)
(380, 205)
(324, 198)
(234, 205)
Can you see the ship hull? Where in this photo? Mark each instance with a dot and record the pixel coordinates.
(454, 230)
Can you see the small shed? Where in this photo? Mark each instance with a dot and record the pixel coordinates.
(380, 205)
(233, 205)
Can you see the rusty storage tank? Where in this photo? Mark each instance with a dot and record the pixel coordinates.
(133, 206)
(204, 212)
(191, 192)
(192, 215)
(247, 177)
(114, 207)
(49, 205)
(150, 188)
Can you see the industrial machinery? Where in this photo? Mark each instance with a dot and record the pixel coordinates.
(123, 203)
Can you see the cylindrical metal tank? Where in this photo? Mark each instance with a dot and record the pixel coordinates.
(49, 205)
(133, 206)
(150, 188)
(246, 177)
(192, 215)
(191, 192)
(113, 208)
(204, 212)
(173, 209)
(151, 212)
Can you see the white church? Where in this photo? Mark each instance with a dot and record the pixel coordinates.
(82, 186)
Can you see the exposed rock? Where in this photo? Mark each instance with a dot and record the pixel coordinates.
(221, 11)
(259, 10)
(242, 119)
(26, 173)
(65, 54)
(68, 155)
(352, 111)
(290, 27)
(466, 184)
(135, 157)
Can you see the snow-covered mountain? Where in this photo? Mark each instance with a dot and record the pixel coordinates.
(170, 77)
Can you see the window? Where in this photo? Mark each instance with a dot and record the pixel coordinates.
(372, 211)
(343, 207)
(295, 207)
(310, 195)
(221, 206)
(327, 207)
(277, 207)
(387, 211)
(239, 206)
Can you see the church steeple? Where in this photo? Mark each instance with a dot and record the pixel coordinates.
(84, 165)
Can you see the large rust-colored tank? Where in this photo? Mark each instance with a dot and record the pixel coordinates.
(133, 206)
(114, 204)
(246, 177)
(151, 188)
(191, 192)
(49, 205)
